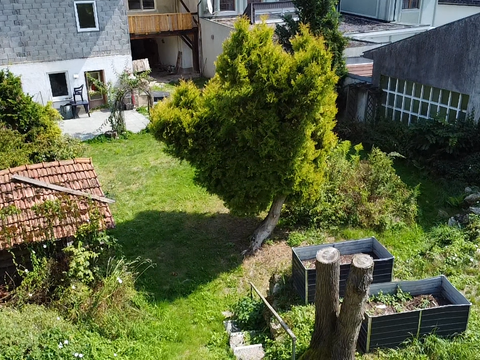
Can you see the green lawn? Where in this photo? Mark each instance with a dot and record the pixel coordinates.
(195, 243)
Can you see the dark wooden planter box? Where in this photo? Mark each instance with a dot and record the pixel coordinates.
(388, 331)
(304, 279)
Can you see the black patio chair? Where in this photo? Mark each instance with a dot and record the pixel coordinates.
(78, 91)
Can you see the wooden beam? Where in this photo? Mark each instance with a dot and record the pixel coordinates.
(60, 188)
(185, 6)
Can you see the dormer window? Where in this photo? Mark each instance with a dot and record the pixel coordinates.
(141, 4)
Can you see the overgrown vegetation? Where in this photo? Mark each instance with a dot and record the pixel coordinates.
(29, 132)
(445, 148)
(358, 192)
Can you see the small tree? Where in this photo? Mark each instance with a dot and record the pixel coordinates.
(126, 85)
(323, 19)
(262, 127)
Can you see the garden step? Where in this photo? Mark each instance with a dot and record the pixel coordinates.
(231, 326)
(249, 352)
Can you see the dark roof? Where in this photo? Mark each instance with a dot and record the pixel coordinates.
(26, 224)
(460, 2)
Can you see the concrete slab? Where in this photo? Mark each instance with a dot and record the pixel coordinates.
(249, 352)
(86, 127)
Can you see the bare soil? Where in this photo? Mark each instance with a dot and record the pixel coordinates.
(376, 308)
(344, 260)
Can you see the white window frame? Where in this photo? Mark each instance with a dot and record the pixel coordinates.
(62, 97)
(433, 104)
(94, 6)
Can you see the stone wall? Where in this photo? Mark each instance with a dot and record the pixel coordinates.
(38, 31)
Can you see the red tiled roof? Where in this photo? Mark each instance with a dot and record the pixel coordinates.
(361, 69)
(26, 224)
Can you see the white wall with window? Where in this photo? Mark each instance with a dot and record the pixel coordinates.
(54, 81)
(86, 15)
(408, 101)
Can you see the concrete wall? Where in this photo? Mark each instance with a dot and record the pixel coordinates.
(33, 31)
(213, 35)
(446, 57)
(448, 13)
(35, 79)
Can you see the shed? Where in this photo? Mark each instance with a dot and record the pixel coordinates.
(70, 188)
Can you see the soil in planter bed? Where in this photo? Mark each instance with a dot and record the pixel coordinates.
(377, 308)
(344, 260)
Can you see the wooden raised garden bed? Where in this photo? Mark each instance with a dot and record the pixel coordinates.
(303, 264)
(447, 318)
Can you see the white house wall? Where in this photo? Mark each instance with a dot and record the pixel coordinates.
(35, 79)
(213, 36)
(448, 13)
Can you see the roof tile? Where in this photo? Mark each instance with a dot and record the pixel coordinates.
(28, 226)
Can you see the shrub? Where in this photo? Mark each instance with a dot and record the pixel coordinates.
(365, 193)
(29, 132)
(248, 313)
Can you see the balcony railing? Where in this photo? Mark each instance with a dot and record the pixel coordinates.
(158, 23)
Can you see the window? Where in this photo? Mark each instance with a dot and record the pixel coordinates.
(411, 4)
(141, 4)
(58, 83)
(86, 15)
(93, 92)
(227, 5)
(408, 101)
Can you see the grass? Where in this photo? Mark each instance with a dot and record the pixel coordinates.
(195, 243)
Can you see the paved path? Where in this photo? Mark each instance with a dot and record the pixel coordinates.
(86, 127)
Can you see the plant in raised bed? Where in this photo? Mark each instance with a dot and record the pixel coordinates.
(397, 311)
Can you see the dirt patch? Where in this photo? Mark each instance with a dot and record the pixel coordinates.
(344, 260)
(376, 308)
(271, 259)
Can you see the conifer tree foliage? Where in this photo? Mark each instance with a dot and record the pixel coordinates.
(262, 127)
(323, 19)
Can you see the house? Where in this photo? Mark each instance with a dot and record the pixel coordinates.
(166, 32)
(433, 73)
(47, 201)
(55, 45)
(368, 24)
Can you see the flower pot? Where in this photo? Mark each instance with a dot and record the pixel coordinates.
(388, 331)
(304, 278)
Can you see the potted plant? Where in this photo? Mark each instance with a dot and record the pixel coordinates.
(433, 305)
(303, 264)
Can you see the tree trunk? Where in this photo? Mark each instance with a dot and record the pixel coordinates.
(353, 307)
(265, 229)
(326, 304)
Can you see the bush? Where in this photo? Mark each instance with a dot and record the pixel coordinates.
(365, 193)
(248, 313)
(29, 132)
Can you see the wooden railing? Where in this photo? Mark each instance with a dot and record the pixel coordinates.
(158, 23)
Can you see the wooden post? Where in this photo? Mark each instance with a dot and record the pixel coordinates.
(353, 307)
(326, 303)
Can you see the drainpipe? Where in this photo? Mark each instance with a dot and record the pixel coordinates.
(395, 11)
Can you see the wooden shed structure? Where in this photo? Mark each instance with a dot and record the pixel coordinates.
(48, 202)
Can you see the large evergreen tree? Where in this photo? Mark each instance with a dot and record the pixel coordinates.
(323, 19)
(262, 127)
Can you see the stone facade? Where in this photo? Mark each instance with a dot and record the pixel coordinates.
(39, 31)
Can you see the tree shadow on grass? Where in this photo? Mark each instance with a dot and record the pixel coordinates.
(188, 249)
